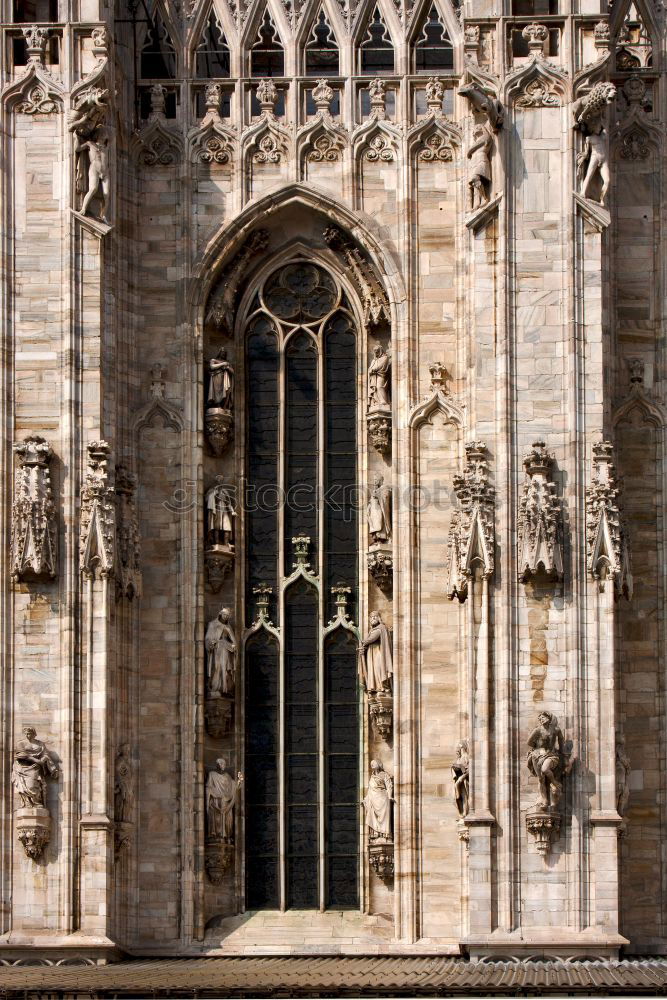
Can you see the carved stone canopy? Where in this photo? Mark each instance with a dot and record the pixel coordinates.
(539, 520)
(608, 556)
(471, 531)
(34, 521)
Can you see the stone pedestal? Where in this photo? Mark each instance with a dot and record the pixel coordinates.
(218, 714)
(380, 708)
(381, 566)
(34, 830)
(219, 564)
(378, 421)
(381, 858)
(219, 426)
(218, 861)
(544, 826)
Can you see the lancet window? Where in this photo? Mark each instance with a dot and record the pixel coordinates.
(212, 53)
(376, 49)
(433, 50)
(322, 49)
(302, 817)
(158, 55)
(267, 57)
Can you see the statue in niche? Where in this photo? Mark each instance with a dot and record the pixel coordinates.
(480, 166)
(221, 382)
(97, 148)
(461, 778)
(375, 660)
(593, 160)
(221, 793)
(378, 511)
(545, 760)
(123, 794)
(379, 376)
(220, 645)
(622, 776)
(220, 514)
(378, 803)
(33, 764)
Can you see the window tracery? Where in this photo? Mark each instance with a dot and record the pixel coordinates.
(158, 54)
(376, 49)
(322, 57)
(212, 53)
(267, 57)
(433, 49)
(302, 699)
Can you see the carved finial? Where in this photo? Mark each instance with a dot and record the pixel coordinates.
(538, 459)
(435, 92)
(340, 592)
(35, 40)
(608, 556)
(157, 380)
(636, 366)
(158, 102)
(376, 90)
(471, 36)
(301, 544)
(100, 38)
(323, 95)
(267, 95)
(439, 378)
(602, 37)
(536, 35)
(212, 98)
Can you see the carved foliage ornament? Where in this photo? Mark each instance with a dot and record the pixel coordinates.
(436, 147)
(373, 297)
(379, 149)
(471, 530)
(539, 522)
(608, 556)
(635, 146)
(35, 41)
(220, 310)
(537, 95)
(326, 148)
(97, 540)
(37, 101)
(34, 525)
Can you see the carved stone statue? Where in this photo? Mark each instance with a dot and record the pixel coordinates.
(461, 778)
(220, 645)
(593, 160)
(378, 803)
(98, 169)
(221, 793)
(33, 764)
(375, 658)
(123, 792)
(34, 523)
(220, 515)
(379, 378)
(378, 510)
(622, 776)
(221, 382)
(545, 760)
(484, 104)
(480, 166)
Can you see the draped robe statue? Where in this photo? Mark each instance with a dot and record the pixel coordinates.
(378, 511)
(378, 802)
(379, 373)
(220, 645)
(375, 660)
(32, 765)
(221, 792)
(221, 382)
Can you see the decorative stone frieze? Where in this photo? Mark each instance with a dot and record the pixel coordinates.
(33, 765)
(220, 311)
(371, 290)
(471, 531)
(608, 556)
(128, 569)
(539, 521)
(97, 537)
(34, 546)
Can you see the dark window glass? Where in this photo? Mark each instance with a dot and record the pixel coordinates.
(158, 56)
(301, 435)
(534, 8)
(261, 774)
(301, 771)
(212, 53)
(433, 48)
(267, 57)
(322, 49)
(342, 755)
(262, 464)
(377, 49)
(340, 514)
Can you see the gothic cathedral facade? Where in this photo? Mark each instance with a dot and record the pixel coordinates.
(333, 461)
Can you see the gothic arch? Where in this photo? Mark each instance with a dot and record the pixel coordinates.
(225, 244)
(452, 27)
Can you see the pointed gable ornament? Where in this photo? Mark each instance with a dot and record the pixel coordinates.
(608, 556)
(34, 522)
(471, 532)
(539, 534)
(97, 540)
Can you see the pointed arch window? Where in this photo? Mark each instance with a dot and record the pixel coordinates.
(267, 56)
(633, 46)
(376, 49)
(212, 53)
(433, 50)
(158, 55)
(302, 816)
(322, 58)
